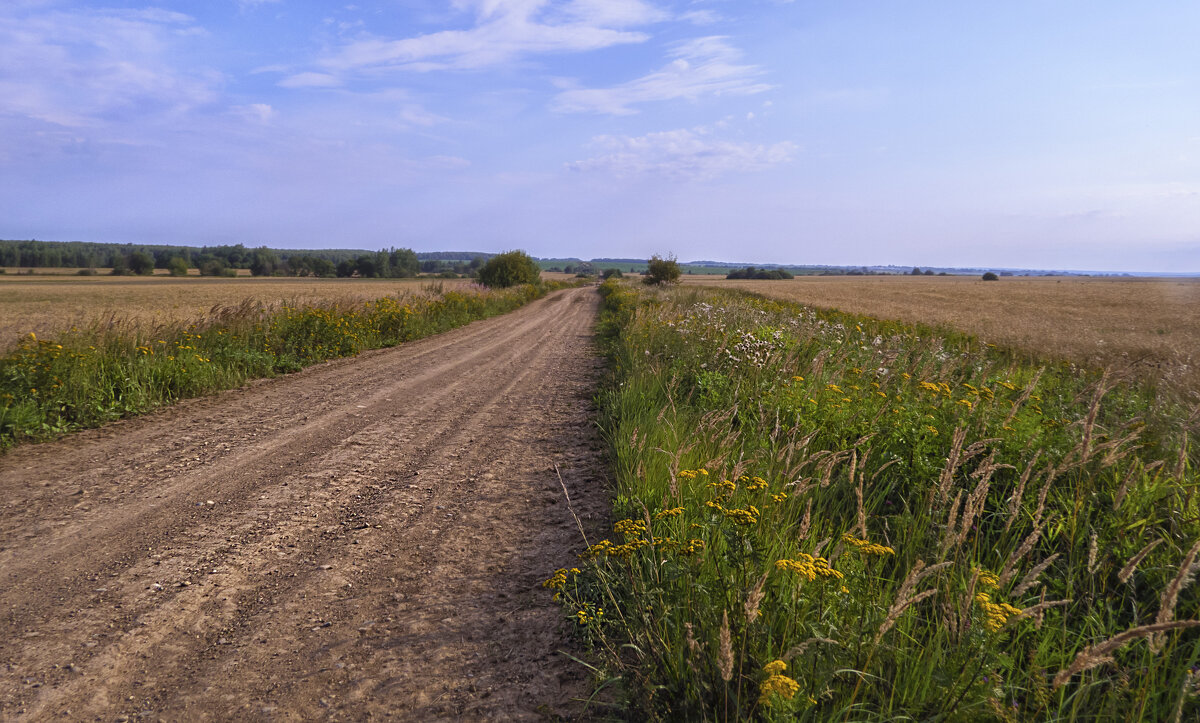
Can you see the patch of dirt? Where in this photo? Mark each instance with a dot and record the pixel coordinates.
(361, 540)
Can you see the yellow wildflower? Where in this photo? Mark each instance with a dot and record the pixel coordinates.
(867, 547)
(775, 667)
(558, 580)
(629, 528)
(997, 614)
(747, 516)
(755, 483)
(809, 567)
(988, 579)
(780, 685)
(672, 512)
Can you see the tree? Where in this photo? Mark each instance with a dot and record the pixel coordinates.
(141, 263)
(404, 263)
(989, 276)
(510, 269)
(177, 266)
(661, 270)
(264, 262)
(216, 267)
(612, 273)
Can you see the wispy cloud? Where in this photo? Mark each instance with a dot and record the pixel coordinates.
(310, 80)
(502, 31)
(700, 67)
(87, 68)
(684, 154)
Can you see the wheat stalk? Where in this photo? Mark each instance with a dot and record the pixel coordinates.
(1093, 553)
(1101, 652)
(754, 598)
(1181, 465)
(725, 650)
(1041, 607)
(951, 524)
(858, 498)
(952, 462)
(972, 508)
(1170, 596)
(1134, 561)
(905, 598)
(1016, 407)
(1014, 502)
(1010, 565)
(1123, 490)
(796, 650)
(1031, 577)
(807, 521)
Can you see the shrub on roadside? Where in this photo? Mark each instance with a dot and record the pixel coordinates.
(511, 268)
(661, 270)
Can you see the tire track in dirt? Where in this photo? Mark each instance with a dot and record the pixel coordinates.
(361, 539)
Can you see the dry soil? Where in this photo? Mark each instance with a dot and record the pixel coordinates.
(361, 540)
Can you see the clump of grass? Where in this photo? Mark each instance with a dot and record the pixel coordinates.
(968, 535)
(86, 377)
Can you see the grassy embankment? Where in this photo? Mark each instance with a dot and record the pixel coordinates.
(83, 378)
(829, 517)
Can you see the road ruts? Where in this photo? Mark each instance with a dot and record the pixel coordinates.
(361, 540)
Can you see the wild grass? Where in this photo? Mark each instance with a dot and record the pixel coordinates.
(1147, 327)
(85, 377)
(828, 517)
(51, 305)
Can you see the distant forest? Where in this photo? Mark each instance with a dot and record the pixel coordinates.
(225, 260)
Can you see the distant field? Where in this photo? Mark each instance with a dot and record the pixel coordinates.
(48, 304)
(1151, 326)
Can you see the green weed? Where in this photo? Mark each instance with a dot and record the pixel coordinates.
(87, 377)
(829, 517)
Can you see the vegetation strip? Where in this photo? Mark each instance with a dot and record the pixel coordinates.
(831, 517)
(84, 378)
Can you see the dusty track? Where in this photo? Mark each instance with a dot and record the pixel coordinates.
(360, 540)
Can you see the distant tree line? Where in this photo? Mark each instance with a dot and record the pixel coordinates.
(751, 272)
(211, 260)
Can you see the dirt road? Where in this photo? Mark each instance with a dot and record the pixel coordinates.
(361, 540)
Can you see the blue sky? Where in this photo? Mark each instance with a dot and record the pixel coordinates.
(1034, 134)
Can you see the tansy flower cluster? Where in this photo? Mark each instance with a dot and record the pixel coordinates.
(867, 547)
(997, 613)
(776, 683)
(809, 567)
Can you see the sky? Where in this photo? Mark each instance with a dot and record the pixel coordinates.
(1041, 134)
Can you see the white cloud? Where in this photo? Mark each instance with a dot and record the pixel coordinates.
(89, 68)
(684, 154)
(704, 66)
(503, 30)
(310, 80)
(261, 113)
(701, 17)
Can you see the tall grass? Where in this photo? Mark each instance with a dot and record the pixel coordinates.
(86, 377)
(828, 517)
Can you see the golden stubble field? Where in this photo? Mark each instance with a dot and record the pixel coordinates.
(1150, 327)
(45, 304)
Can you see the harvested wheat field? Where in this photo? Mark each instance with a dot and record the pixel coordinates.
(45, 305)
(1150, 327)
(362, 539)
